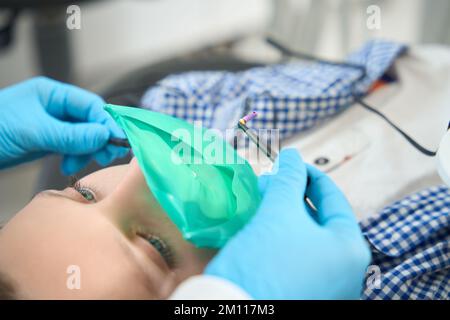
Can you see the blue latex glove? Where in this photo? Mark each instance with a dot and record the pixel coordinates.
(286, 253)
(41, 116)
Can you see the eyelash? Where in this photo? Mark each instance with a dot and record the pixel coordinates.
(83, 190)
(160, 245)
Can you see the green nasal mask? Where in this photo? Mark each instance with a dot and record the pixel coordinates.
(205, 187)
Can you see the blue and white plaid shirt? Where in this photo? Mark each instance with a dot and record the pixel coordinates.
(410, 243)
(291, 97)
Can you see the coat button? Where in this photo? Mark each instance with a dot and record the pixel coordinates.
(321, 161)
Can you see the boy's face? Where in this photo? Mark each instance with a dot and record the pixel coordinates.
(110, 238)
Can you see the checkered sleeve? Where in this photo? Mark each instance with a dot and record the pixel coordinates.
(410, 243)
(291, 97)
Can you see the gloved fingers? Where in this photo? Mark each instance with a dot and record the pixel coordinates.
(104, 157)
(72, 164)
(70, 103)
(263, 182)
(333, 208)
(287, 186)
(87, 106)
(117, 152)
(289, 171)
(66, 102)
(73, 138)
(264, 179)
(107, 155)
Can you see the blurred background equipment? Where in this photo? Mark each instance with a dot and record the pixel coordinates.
(51, 40)
(124, 46)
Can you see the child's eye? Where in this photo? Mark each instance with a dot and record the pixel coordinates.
(160, 245)
(87, 194)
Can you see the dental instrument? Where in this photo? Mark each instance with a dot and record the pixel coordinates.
(268, 151)
(119, 142)
(242, 124)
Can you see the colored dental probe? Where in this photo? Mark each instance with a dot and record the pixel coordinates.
(248, 117)
(242, 124)
(119, 142)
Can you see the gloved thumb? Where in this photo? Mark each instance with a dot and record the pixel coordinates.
(263, 182)
(75, 138)
(286, 186)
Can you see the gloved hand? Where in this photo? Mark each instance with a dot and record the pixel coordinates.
(288, 251)
(41, 116)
